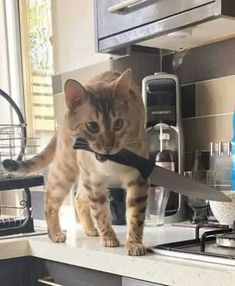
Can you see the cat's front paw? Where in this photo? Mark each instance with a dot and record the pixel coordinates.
(109, 242)
(135, 249)
(58, 237)
(91, 232)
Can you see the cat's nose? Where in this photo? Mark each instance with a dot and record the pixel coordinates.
(108, 148)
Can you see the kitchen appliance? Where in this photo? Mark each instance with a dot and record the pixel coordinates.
(163, 24)
(216, 245)
(161, 96)
(15, 198)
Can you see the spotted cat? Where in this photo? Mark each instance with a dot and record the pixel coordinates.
(109, 113)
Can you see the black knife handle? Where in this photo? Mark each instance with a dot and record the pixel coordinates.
(124, 157)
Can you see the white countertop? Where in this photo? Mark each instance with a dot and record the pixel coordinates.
(83, 251)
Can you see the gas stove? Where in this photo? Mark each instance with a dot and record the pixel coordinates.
(216, 245)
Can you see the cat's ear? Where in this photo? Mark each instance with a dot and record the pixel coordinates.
(74, 93)
(123, 82)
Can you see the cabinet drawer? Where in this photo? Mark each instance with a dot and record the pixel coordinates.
(138, 14)
(47, 281)
(69, 275)
(134, 282)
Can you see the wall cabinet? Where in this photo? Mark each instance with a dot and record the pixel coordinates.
(123, 23)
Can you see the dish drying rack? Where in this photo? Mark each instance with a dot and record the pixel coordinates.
(13, 143)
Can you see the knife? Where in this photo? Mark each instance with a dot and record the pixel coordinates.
(158, 175)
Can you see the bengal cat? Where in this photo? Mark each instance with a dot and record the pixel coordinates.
(109, 113)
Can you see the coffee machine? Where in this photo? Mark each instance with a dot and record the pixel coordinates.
(161, 96)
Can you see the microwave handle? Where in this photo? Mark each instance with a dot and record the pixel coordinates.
(128, 6)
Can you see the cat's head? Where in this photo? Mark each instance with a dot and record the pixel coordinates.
(104, 112)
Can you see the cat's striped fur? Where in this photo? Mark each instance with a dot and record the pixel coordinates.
(109, 113)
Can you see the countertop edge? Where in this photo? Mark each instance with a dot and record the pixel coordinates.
(86, 252)
(151, 268)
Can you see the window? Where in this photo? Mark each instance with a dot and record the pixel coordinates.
(26, 67)
(36, 35)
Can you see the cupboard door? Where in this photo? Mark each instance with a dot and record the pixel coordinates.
(15, 272)
(112, 20)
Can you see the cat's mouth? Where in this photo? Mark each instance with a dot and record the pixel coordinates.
(100, 157)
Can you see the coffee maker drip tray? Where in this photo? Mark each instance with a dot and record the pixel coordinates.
(206, 248)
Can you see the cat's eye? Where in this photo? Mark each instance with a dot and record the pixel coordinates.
(118, 124)
(92, 127)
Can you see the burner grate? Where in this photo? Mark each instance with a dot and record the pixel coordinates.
(220, 228)
(201, 249)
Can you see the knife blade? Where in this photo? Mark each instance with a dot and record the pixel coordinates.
(158, 175)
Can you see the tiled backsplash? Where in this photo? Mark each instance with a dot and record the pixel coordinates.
(204, 63)
(208, 112)
(207, 76)
(207, 108)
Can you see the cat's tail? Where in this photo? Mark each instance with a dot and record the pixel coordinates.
(36, 163)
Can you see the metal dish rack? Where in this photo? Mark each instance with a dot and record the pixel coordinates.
(13, 143)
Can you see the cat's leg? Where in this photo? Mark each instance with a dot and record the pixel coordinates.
(84, 214)
(136, 201)
(97, 197)
(58, 186)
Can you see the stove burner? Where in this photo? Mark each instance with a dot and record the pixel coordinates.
(204, 248)
(226, 240)
(220, 229)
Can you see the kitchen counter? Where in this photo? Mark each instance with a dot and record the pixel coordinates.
(83, 251)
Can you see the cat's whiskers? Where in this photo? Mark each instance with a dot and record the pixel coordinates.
(135, 140)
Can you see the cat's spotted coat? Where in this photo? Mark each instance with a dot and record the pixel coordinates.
(108, 112)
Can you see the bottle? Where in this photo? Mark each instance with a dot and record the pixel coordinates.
(164, 158)
(199, 206)
(214, 154)
(198, 169)
(158, 196)
(233, 156)
(197, 161)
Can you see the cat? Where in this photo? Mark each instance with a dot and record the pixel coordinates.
(109, 113)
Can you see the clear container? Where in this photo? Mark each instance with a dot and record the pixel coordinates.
(220, 166)
(157, 201)
(199, 206)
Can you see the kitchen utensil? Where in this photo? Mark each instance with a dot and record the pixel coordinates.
(220, 166)
(158, 175)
